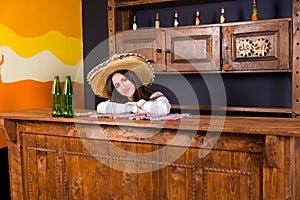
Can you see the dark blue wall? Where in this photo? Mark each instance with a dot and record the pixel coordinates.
(241, 89)
(95, 33)
(235, 11)
(253, 90)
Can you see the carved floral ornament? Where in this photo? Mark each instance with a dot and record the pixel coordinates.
(260, 47)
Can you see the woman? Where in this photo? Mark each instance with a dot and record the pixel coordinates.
(125, 80)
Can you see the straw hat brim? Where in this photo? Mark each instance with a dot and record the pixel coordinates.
(98, 76)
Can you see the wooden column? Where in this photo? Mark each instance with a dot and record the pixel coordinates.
(296, 59)
(112, 18)
(113, 25)
(296, 165)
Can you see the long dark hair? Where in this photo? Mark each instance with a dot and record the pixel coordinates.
(141, 91)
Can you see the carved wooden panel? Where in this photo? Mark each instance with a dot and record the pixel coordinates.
(261, 45)
(71, 172)
(272, 151)
(193, 48)
(60, 174)
(70, 167)
(147, 42)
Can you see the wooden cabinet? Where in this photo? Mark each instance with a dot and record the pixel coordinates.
(246, 46)
(252, 46)
(174, 49)
(88, 158)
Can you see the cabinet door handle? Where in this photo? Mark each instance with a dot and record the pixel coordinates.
(168, 51)
(158, 50)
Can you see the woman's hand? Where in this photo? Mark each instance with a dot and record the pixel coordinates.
(139, 110)
(132, 103)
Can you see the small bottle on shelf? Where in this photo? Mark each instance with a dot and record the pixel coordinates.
(157, 21)
(176, 20)
(56, 98)
(134, 25)
(197, 18)
(222, 16)
(254, 11)
(68, 98)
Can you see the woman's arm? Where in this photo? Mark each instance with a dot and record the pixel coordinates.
(112, 107)
(159, 105)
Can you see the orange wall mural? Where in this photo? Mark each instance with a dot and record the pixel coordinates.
(38, 40)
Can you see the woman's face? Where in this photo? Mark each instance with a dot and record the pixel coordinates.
(124, 86)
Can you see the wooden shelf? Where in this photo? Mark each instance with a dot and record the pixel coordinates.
(161, 3)
(138, 3)
(222, 72)
(230, 110)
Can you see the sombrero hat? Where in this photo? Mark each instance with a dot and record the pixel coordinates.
(98, 76)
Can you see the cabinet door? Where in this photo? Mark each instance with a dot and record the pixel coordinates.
(232, 175)
(193, 48)
(233, 169)
(58, 168)
(148, 42)
(261, 45)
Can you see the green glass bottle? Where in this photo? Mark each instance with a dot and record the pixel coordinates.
(134, 25)
(56, 98)
(68, 98)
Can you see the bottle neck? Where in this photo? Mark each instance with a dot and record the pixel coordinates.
(176, 14)
(56, 85)
(68, 85)
(197, 12)
(56, 79)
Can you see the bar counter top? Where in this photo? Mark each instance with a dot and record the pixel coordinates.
(230, 124)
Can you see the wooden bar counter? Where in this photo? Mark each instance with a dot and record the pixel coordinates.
(201, 157)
